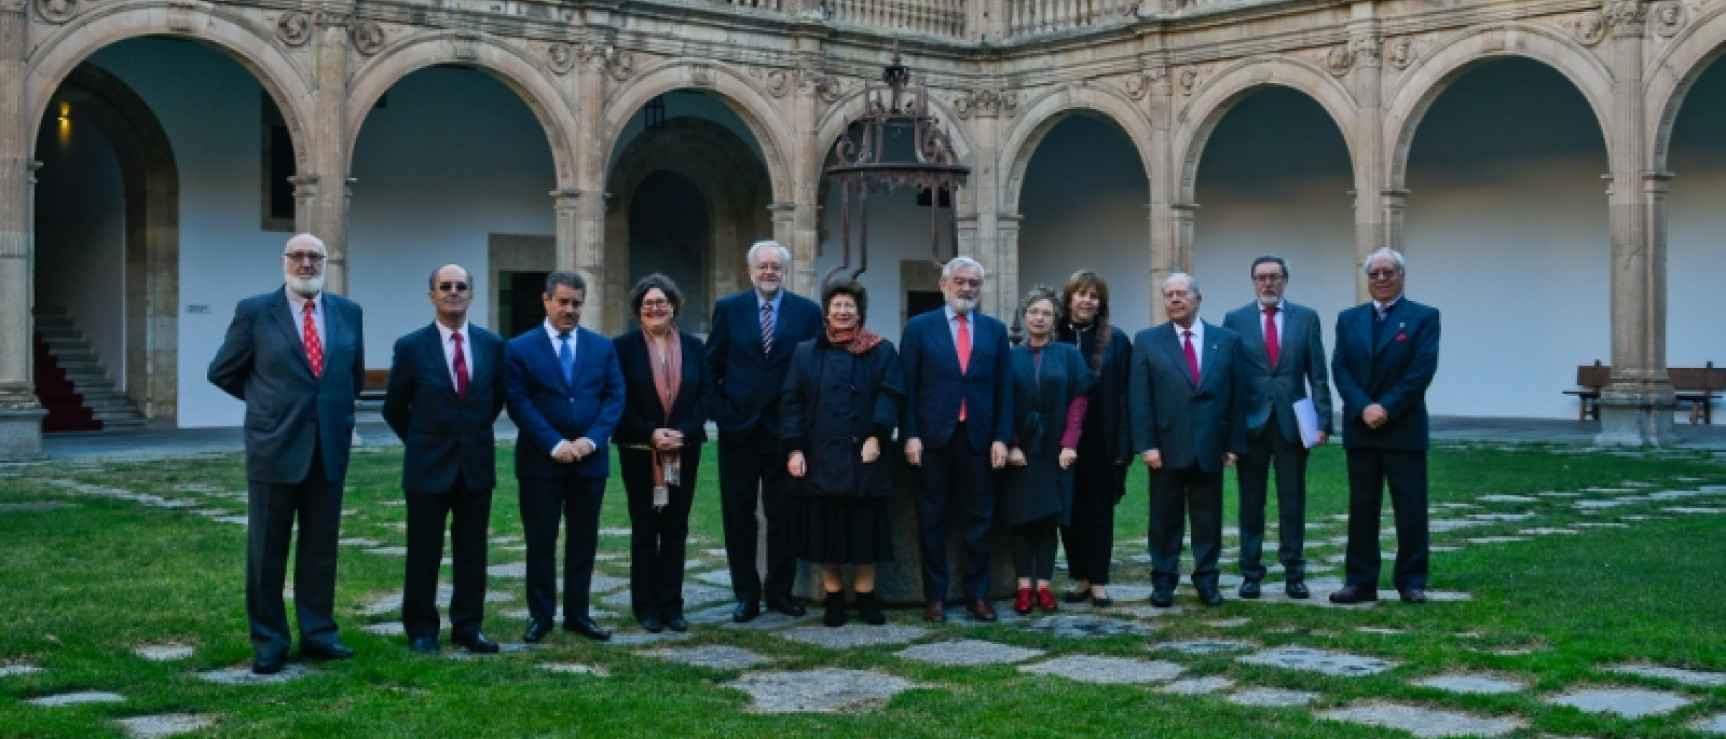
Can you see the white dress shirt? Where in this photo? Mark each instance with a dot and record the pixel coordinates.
(1198, 329)
(297, 306)
(449, 350)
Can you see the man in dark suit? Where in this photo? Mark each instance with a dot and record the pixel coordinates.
(958, 420)
(297, 359)
(1187, 400)
(748, 354)
(1282, 356)
(565, 394)
(445, 391)
(1386, 355)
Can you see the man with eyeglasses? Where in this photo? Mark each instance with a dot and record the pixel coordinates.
(1386, 355)
(445, 391)
(296, 357)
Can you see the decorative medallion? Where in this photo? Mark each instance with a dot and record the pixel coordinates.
(369, 37)
(1339, 59)
(57, 11)
(1669, 17)
(1399, 52)
(294, 29)
(560, 57)
(1189, 79)
(1589, 28)
(778, 83)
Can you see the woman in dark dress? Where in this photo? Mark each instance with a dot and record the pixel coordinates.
(1101, 470)
(1049, 384)
(840, 405)
(659, 441)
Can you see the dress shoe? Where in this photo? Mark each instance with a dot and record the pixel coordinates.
(980, 610)
(1102, 601)
(1077, 596)
(1354, 594)
(652, 624)
(1162, 596)
(1297, 590)
(586, 627)
(423, 645)
(1022, 602)
(477, 642)
(675, 621)
(935, 612)
(746, 611)
(325, 652)
(536, 632)
(1412, 595)
(870, 609)
(1210, 596)
(835, 615)
(784, 604)
(1046, 600)
(269, 664)
(1250, 589)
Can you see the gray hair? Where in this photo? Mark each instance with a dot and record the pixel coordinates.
(1192, 284)
(957, 262)
(570, 280)
(308, 240)
(784, 253)
(1384, 253)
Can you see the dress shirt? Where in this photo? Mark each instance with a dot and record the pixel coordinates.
(953, 326)
(1282, 309)
(1379, 309)
(297, 306)
(556, 343)
(776, 301)
(466, 350)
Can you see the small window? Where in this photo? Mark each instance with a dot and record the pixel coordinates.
(277, 168)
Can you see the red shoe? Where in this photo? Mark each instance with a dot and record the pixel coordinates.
(1046, 600)
(1022, 604)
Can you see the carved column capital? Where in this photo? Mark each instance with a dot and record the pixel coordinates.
(1365, 48)
(1625, 17)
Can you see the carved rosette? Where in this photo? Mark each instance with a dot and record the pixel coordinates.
(294, 29)
(55, 11)
(1189, 78)
(1625, 17)
(1399, 52)
(985, 103)
(1588, 28)
(560, 56)
(1338, 59)
(1669, 18)
(777, 83)
(369, 37)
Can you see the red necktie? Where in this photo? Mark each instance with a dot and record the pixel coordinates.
(314, 347)
(1271, 342)
(1192, 358)
(460, 367)
(964, 342)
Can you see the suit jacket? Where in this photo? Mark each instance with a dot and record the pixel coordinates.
(747, 381)
(642, 411)
(934, 384)
(546, 410)
(1189, 425)
(1393, 372)
(263, 362)
(1300, 363)
(446, 437)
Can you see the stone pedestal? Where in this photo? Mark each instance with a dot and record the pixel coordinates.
(1636, 419)
(21, 435)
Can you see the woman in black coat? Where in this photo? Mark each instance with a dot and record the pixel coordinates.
(1101, 470)
(659, 439)
(840, 405)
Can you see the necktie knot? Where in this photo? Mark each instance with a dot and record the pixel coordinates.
(455, 337)
(1270, 310)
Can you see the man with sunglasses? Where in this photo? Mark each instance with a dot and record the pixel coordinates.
(445, 391)
(296, 357)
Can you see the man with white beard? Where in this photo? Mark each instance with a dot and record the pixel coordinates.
(295, 356)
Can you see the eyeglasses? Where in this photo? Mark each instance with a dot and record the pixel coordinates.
(769, 268)
(1382, 274)
(304, 256)
(1272, 277)
(460, 287)
(655, 303)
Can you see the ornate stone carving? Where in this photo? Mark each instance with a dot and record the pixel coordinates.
(1157, 80)
(778, 83)
(1670, 17)
(467, 45)
(1365, 49)
(11, 6)
(182, 14)
(1189, 79)
(54, 11)
(369, 37)
(701, 75)
(1588, 28)
(332, 19)
(618, 63)
(985, 103)
(811, 81)
(1625, 16)
(1135, 85)
(560, 57)
(1399, 52)
(1339, 59)
(294, 29)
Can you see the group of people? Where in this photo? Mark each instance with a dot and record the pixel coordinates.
(812, 410)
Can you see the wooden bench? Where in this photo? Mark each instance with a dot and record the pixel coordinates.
(376, 386)
(1589, 380)
(1698, 386)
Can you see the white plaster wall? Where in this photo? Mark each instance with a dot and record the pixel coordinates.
(898, 231)
(453, 157)
(81, 235)
(1696, 236)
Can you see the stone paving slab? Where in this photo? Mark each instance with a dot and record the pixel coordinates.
(714, 656)
(1229, 623)
(1424, 722)
(35, 506)
(1197, 686)
(76, 699)
(1105, 670)
(356, 541)
(694, 596)
(166, 724)
(1139, 611)
(1086, 627)
(1501, 498)
(1472, 684)
(1340, 664)
(1204, 646)
(768, 620)
(1272, 698)
(574, 668)
(819, 691)
(455, 651)
(968, 652)
(1497, 539)
(1715, 724)
(710, 616)
(163, 652)
(245, 676)
(721, 578)
(1624, 702)
(388, 551)
(853, 635)
(11, 670)
(1693, 678)
(1380, 630)
(637, 638)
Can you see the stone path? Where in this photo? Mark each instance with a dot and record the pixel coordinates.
(1424, 722)
(167, 724)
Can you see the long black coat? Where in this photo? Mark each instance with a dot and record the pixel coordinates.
(642, 412)
(1042, 392)
(833, 400)
(1106, 427)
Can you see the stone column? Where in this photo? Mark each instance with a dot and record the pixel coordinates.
(803, 279)
(324, 211)
(581, 210)
(1636, 409)
(1006, 273)
(1171, 218)
(979, 237)
(1372, 168)
(20, 414)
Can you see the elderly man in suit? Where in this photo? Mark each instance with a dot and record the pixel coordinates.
(958, 421)
(1187, 401)
(445, 391)
(1282, 356)
(297, 358)
(1386, 355)
(748, 354)
(564, 391)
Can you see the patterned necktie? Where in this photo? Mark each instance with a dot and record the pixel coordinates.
(1192, 357)
(314, 347)
(766, 328)
(1271, 341)
(964, 342)
(460, 367)
(566, 357)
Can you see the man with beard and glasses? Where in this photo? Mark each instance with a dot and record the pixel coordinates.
(296, 357)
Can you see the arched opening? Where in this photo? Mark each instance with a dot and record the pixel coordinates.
(1696, 216)
(675, 247)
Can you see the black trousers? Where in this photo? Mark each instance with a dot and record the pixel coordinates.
(1033, 546)
(467, 513)
(1264, 449)
(957, 484)
(1369, 471)
(1090, 534)
(1175, 495)
(751, 469)
(270, 511)
(575, 501)
(658, 539)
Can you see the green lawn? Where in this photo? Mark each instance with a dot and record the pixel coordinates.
(80, 587)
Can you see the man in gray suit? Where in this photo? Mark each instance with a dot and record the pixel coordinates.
(1186, 399)
(1283, 354)
(296, 357)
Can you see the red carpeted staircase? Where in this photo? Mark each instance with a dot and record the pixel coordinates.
(66, 408)
(71, 381)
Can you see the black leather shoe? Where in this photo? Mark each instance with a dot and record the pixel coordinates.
(981, 610)
(586, 627)
(1162, 596)
(1102, 601)
(784, 604)
(835, 615)
(676, 622)
(1297, 590)
(269, 664)
(477, 642)
(1250, 589)
(870, 609)
(325, 652)
(1210, 596)
(746, 612)
(1416, 596)
(1351, 594)
(652, 624)
(1076, 596)
(935, 612)
(423, 645)
(536, 632)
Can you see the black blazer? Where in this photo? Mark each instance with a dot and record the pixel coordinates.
(546, 410)
(445, 435)
(934, 385)
(1394, 372)
(747, 382)
(1190, 425)
(642, 412)
(1300, 364)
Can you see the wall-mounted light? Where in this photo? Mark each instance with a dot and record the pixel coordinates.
(65, 122)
